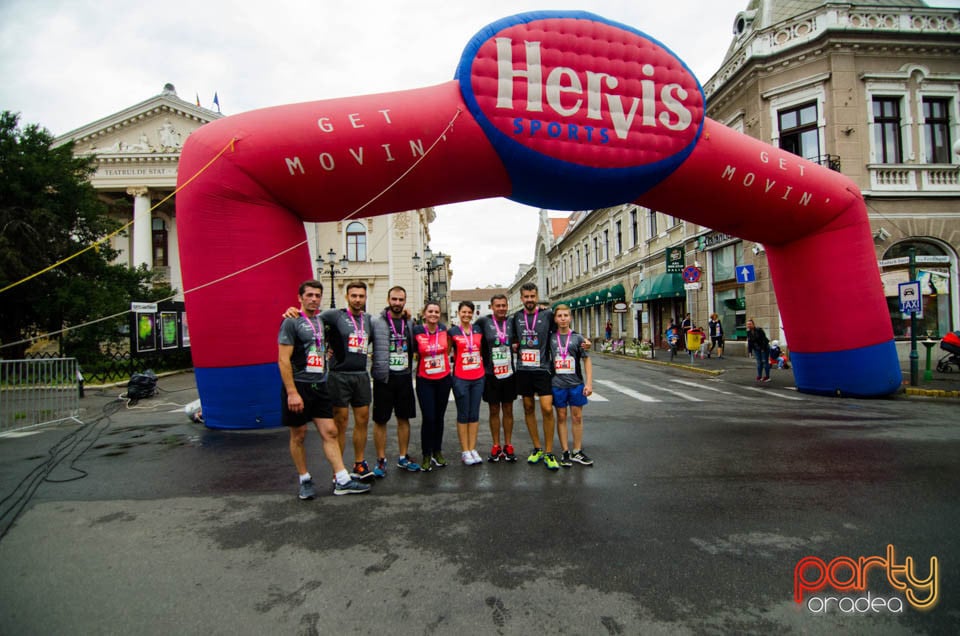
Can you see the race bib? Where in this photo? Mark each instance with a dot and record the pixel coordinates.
(357, 343)
(502, 362)
(398, 361)
(470, 360)
(530, 358)
(435, 365)
(315, 360)
(563, 365)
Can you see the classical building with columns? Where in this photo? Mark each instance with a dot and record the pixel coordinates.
(137, 151)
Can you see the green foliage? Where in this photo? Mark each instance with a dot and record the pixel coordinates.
(49, 211)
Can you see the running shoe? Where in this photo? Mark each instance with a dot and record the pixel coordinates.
(508, 453)
(427, 465)
(581, 458)
(352, 487)
(408, 464)
(565, 460)
(550, 461)
(467, 458)
(535, 456)
(439, 461)
(476, 457)
(765, 380)
(306, 489)
(361, 471)
(495, 453)
(380, 471)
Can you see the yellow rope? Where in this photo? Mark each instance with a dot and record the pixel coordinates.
(229, 146)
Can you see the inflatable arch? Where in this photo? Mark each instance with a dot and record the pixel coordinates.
(559, 110)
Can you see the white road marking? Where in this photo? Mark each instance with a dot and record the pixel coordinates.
(627, 391)
(679, 394)
(774, 393)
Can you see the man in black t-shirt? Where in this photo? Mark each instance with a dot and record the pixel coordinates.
(500, 380)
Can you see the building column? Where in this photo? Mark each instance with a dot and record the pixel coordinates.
(142, 227)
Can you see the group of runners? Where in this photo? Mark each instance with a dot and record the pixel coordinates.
(323, 358)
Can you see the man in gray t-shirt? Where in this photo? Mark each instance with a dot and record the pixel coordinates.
(350, 336)
(302, 362)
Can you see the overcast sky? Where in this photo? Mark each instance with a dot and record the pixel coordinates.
(68, 63)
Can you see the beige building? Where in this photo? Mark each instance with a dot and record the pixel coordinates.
(137, 151)
(868, 89)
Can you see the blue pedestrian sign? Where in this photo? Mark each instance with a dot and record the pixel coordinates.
(746, 274)
(910, 298)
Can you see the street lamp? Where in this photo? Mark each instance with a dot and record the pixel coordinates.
(332, 263)
(430, 264)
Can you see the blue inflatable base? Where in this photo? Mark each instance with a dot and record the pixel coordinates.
(240, 397)
(866, 372)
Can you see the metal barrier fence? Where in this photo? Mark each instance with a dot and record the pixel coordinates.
(38, 392)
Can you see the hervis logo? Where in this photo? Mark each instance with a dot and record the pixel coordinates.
(583, 112)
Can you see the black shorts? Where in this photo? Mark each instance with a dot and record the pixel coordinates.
(349, 389)
(499, 391)
(316, 404)
(394, 396)
(717, 341)
(533, 382)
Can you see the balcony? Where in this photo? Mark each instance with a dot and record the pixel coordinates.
(914, 178)
(828, 161)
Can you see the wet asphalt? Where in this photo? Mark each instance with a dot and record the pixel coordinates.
(691, 521)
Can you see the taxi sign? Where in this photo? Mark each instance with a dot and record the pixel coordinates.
(910, 298)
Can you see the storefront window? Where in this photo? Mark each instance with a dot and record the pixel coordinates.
(933, 272)
(728, 295)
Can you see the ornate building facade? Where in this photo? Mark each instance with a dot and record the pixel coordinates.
(869, 89)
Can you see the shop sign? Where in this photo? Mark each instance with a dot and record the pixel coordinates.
(674, 256)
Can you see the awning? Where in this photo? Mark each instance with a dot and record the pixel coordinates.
(616, 293)
(596, 297)
(659, 286)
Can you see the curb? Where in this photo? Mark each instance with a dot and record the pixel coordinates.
(931, 393)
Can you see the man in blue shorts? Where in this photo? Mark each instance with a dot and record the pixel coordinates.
(572, 384)
(303, 369)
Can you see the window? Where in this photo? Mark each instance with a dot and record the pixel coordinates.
(634, 228)
(356, 242)
(571, 267)
(606, 245)
(934, 277)
(159, 243)
(586, 257)
(728, 295)
(596, 250)
(886, 130)
(936, 129)
(651, 224)
(578, 261)
(619, 237)
(798, 131)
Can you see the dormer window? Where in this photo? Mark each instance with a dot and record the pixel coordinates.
(743, 22)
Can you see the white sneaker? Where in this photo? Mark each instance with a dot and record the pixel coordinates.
(466, 458)
(476, 457)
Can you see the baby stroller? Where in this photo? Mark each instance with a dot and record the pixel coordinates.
(950, 344)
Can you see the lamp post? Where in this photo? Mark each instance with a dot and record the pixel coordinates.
(332, 264)
(429, 263)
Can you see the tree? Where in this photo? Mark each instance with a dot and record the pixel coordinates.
(49, 211)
